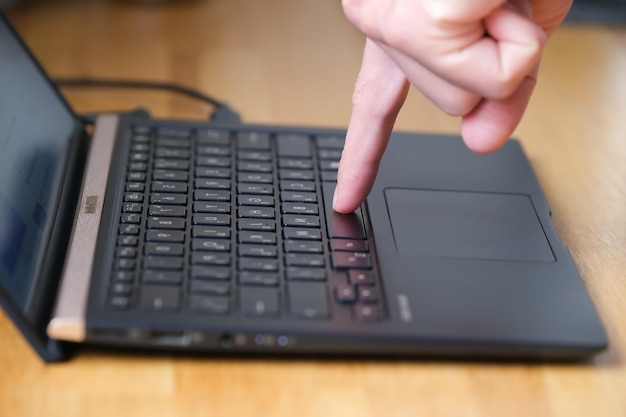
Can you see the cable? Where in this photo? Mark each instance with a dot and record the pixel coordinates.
(221, 112)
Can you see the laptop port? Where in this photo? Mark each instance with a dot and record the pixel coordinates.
(170, 337)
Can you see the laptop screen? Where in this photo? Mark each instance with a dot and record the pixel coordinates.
(36, 127)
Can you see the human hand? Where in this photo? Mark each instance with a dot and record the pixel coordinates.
(476, 59)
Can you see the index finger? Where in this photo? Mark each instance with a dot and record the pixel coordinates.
(380, 91)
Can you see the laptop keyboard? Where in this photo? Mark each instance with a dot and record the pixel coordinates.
(222, 222)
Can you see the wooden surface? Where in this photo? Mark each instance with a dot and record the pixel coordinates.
(294, 62)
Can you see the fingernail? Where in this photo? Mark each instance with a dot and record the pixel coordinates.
(335, 196)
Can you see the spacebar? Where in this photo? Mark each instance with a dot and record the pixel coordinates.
(345, 226)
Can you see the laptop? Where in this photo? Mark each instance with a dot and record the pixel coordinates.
(180, 236)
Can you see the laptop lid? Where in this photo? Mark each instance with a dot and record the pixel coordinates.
(39, 140)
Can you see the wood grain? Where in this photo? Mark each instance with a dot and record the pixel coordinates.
(294, 62)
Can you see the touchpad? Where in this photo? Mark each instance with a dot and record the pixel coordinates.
(473, 225)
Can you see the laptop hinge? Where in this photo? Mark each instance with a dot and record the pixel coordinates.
(69, 317)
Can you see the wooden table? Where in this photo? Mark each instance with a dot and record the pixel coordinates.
(294, 62)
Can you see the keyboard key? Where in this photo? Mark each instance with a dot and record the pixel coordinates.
(127, 240)
(133, 197)
(126, 252)
(259, 302)
(288, 163)
(213, 150)
(296, 175)
(210, 258)
(174, 199)
(345, 294)
(120, 289)
(213, 137)
(212, 207)
(306, 260)
(299, 208)
(329, 154)
(203, 172)
(119, 303)
(159, 298)
(367, 312)
(168, 187)
(212, 195)
(293, 145)
(255, 177)
(257, 238)
(219, 273)
(162, 277)
(171, 164)
(305, 274)
(169, 153)
(166, 175)
(135, 187)
(247, 166)
(210, 245)
(261, 189)
(256, 213)
(255, 200)
(262, 279)
(349, 245)
(132, 218)
(124, 264)
(303, 197)
(302, 234)
(132, 208)
(254, 156)
(209, 287)
(213, 219)
(212, 183)
(212, 161)
(166, 211)
(330, 142)
(129, 229)
(165, 236)
(360, 277)
(351, 260)
(302, 246)
(260, 251)
(209, 304)
(136, 177)
(253, 140)
(329, 165)
(300, 186)
(163, 262)
(308, 300)
(257, 264)
(170, 223)
(163, 249)
(175, 133)
(138, 166)
(211, 232)
(258, 225)
(122, 276)
(339, 225)
(293, 220)
(367, 294)
(182, 143)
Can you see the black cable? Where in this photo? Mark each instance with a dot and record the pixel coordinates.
(221, 112)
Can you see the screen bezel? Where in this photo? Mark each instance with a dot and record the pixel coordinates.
(32, 318)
